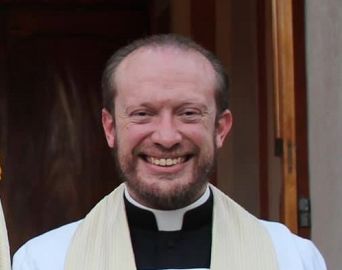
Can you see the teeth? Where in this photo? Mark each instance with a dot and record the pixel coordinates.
(164, 162)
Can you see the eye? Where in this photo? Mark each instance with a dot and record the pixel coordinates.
(141, 116)
(191, 115)
(189, 112)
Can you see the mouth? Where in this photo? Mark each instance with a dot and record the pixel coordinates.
(165, 161)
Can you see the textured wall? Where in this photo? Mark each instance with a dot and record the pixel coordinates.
(324, 66)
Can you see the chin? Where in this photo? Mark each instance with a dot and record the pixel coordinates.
(166, 194)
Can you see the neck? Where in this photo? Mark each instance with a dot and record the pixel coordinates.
(170, 220)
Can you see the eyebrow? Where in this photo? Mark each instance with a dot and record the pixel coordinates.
(153, 106)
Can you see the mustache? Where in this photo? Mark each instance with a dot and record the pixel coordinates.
(159, 150)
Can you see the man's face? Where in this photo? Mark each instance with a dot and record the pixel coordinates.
(164, 131)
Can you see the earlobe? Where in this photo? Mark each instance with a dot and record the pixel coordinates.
(224, 125)
(108, 127)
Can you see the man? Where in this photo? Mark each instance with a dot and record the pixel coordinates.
(165, 115)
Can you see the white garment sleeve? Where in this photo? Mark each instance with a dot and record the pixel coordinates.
(310, 256)
(45, 252)
(294, 252)
(23, 261)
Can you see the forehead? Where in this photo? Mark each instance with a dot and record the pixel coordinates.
(167, 65)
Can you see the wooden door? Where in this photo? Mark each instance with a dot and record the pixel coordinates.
(289, 77)
(55, 161)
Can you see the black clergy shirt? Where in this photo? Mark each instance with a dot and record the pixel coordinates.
(188, 248)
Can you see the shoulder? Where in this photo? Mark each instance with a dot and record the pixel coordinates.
(293, 252)
(46, 251)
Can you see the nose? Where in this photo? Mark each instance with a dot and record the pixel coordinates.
(166, 133)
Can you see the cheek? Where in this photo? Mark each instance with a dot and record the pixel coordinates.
(200, 140)
(201, 135)
(130, 136)
(204, 142)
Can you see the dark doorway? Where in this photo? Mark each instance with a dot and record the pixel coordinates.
(55, 160)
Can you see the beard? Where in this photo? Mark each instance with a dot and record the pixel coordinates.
(178, 194)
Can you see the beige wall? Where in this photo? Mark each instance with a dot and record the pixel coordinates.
(324, 67)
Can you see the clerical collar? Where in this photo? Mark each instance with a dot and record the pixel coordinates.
(168, 220)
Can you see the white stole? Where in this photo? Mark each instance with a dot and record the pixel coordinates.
(5, 262)
(102, 241)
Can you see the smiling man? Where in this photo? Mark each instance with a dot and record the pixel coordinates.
(165, 115)
(165, 130)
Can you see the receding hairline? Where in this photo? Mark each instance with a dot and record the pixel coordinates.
(179, 43)
(156, 48)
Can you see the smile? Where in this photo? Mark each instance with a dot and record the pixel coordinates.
(165, 162)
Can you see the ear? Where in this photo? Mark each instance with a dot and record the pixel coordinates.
(108, 127)
(223, 127)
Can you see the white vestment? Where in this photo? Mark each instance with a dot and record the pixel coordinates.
(49, 250)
